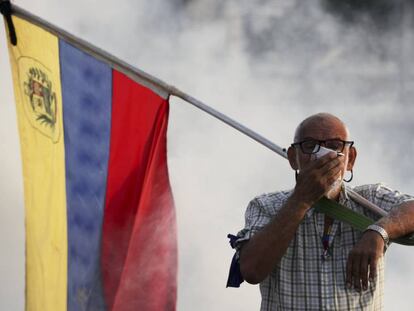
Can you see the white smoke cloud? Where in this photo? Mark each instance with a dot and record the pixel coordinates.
(268, 64)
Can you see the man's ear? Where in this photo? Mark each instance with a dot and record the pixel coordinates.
(291, 153)
(352, 154)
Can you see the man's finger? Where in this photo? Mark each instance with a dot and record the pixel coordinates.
(333, 174)
(356, 276)
(331, 177)
(349, 271)
(373, 269)
(335, 163)
(363, 271)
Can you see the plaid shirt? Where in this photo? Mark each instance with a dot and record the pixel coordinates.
(304, 279)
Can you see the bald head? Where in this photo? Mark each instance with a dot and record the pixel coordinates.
(321, 126)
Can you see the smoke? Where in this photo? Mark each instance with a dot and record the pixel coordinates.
(381, 14)
(268, 64)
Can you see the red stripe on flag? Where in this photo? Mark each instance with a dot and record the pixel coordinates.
(139, 249)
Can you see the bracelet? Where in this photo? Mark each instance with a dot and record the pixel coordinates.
(381, 231)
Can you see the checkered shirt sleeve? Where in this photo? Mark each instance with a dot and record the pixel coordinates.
(258, 214)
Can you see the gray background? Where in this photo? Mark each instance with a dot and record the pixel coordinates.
(268, 64)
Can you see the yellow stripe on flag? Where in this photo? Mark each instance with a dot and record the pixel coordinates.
(36, 75)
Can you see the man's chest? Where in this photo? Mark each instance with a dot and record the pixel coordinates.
(318, 247)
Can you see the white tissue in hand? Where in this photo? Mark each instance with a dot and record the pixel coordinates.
(321, 152)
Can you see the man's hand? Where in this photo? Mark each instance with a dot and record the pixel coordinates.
(362, 261)
(316, 178)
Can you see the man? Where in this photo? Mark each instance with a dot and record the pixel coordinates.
(305, 260)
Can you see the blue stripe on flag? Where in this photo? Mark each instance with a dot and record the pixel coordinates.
(87, 96)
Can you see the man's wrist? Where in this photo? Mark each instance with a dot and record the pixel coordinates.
(296, 201)
(381, 231)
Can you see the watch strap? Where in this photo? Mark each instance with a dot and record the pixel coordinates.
(381, 231)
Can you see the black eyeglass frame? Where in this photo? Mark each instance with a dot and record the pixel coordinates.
(322, 142)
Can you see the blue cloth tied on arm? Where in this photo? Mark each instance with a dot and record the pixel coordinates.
(235, 277)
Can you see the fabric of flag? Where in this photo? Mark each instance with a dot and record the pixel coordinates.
(100, 221)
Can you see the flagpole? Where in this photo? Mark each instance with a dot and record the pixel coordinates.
(164, 90)
(229, 121)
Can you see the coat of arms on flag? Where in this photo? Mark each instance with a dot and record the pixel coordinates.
(38, 96)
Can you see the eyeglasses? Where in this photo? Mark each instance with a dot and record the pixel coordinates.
(311, 146)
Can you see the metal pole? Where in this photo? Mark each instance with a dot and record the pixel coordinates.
(367, 204)
(229, 121)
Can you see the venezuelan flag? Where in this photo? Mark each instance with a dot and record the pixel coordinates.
(100, 222)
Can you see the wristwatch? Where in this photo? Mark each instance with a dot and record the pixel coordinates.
(381, 231)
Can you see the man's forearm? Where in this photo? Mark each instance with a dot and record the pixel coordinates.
(264, 250)
(400, 221)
